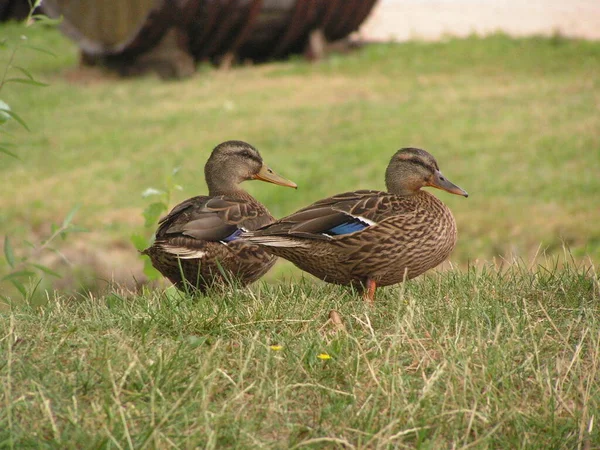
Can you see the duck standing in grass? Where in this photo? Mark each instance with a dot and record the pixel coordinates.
(371, 238)
(198, 243)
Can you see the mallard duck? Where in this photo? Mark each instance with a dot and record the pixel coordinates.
(371, 238)
(198, 241)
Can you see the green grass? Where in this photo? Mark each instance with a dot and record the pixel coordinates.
(475, 359)
(513, 121)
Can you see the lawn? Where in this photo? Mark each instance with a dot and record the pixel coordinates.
(487, 353)
(476, 359)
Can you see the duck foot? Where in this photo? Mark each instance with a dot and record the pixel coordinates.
(369, 294)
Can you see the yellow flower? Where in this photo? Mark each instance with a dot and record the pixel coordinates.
(323, 356)
(276, 348)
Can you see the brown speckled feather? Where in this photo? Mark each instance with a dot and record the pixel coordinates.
(371, 238)
(193, 239)
(409, 235)
(325, 214)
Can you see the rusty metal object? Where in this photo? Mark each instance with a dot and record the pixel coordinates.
(206, 29)
(110, 28)
(342, 26)
(245, 30)
(269, 25)
(301, 16)
(355, 19)
(229, 22)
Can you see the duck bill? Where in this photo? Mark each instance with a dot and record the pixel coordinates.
(266, 174)
(441, 182)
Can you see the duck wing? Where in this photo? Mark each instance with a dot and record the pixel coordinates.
(335, 216)
(192, 223)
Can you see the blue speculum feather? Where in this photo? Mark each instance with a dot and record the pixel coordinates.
(233, 236)
(351, 226)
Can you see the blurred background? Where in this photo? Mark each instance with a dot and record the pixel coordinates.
(506, 96)
(434, 19)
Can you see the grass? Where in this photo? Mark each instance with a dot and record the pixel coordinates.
(513, 121)
(473, 359)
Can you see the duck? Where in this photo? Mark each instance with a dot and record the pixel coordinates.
(369, 238)
(197, 243)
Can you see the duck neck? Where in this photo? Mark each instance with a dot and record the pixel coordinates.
(402, 191)
(400, 187)
(231, 190)
(222, 187)
(219, 181)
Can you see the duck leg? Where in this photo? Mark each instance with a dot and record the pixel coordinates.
(369, 294)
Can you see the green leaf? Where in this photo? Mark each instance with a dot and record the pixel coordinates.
(19, 287)
(46, 270)
(8, 252)
(45, 20)
(153, 212)
(15, 116)
(8, 152)
(24, 72)
(35, 288)
(139, 241)
(18, 274)
(39, 49)
(25, 81)
(55, 251)
(70, 216)
(30, 244)
(4, 117)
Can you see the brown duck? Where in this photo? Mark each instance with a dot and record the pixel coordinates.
(371, 238)
(198, 243)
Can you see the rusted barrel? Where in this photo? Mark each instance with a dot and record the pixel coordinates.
(126, 31)
(111, 28)
(221, 26)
